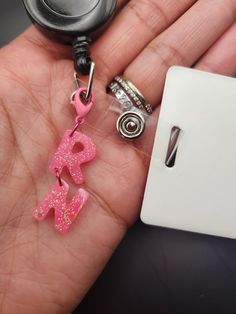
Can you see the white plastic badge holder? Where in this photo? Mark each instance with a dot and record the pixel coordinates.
(192, 178)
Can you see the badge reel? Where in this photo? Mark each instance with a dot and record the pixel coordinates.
(73, 19)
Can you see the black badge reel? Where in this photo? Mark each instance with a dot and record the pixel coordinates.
(77, 19)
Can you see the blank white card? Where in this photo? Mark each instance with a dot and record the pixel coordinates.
(199, 192)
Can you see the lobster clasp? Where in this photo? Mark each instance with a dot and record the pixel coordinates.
(81, 105)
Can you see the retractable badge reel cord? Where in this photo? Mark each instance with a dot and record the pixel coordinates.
(75, 20)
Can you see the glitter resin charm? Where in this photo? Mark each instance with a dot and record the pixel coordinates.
(65, 211)
(64, 157)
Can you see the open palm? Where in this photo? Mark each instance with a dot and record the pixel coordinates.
(34, 111)
(42, 271)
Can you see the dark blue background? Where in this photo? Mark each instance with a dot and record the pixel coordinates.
(154, 270)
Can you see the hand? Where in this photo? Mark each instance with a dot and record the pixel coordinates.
(40, 270)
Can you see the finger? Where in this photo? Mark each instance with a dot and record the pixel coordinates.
(134, 27)
(182, 44)
(221, 57)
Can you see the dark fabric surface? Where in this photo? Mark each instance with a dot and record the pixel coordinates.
(154, 270)
(13, 20)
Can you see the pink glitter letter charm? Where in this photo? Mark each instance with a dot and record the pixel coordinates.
(65, 214)
(64, 157)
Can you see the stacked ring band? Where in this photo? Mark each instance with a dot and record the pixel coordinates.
(121, 95)
(134, 94)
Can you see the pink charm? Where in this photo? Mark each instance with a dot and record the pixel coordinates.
(64, 157)
(65, 214)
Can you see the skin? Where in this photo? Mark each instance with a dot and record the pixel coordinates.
(40, 270)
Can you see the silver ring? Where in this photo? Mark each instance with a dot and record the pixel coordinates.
(134, 94)
(121, 96)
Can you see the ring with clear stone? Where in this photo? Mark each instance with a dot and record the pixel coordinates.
(133, 94)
